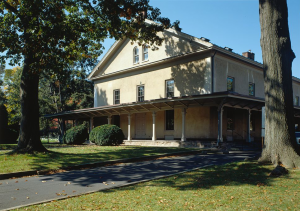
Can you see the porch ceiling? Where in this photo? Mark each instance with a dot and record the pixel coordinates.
(229, 99)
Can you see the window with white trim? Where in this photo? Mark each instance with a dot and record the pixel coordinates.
(296, 101)
(140, 93)
(145, 53)
(136, 55)
(251, 89)
(170, 88)
(230, 84)
(117, 96)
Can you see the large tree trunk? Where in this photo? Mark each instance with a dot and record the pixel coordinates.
(29, 139)
(280, 142)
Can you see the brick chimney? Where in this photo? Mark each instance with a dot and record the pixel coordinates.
(249, 55)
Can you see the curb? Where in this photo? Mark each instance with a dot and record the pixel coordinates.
(96, 164)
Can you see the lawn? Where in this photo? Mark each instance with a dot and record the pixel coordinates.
(68, 156)
(235, 186)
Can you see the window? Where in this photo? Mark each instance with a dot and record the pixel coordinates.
(170, 88)
(135, 55)
(230, 84)
(252, 89)
(117, 96)
(140, 94)
(230, 119)
(296, 101)
(170, 120)
(145, 53)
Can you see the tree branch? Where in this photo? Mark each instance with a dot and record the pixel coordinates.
(11, 8)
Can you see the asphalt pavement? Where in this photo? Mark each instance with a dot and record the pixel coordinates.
(15, 193)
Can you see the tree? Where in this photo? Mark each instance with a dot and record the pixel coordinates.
(63, 93)
(51, 35)
(280, 144)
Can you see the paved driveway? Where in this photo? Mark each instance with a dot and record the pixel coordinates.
(32, 190)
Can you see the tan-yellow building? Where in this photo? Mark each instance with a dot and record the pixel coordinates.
(188, 89)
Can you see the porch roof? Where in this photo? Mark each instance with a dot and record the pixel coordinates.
(230, 99)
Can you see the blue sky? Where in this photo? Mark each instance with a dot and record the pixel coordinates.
(227, 23)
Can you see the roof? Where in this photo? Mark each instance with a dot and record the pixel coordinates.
(231, 99)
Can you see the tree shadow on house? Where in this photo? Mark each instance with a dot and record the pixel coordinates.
(192, 76)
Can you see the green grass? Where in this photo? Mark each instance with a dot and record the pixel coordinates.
(67, 156)
(235, 186)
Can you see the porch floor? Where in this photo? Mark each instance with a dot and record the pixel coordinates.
(231, 145)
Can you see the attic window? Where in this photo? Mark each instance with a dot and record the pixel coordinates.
(145, 53)
(135, 55)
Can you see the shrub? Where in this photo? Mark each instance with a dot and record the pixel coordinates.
(107, 135)
(76, 135)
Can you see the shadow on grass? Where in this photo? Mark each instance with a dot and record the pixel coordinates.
(63, 157)
(232, 174)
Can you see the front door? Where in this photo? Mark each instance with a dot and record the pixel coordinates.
(140, 126)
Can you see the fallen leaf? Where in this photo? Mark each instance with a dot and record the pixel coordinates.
(17, 189)
(69, 183)
(44, 181)
(16, 181)
(27, 197)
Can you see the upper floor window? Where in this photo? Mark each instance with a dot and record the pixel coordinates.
(170, 88)
(136, 55)
(140, 94)
(145, 53)
(296, 101)
(230, 83)
(117, 96)
(252, 89)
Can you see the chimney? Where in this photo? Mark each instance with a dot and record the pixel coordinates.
(249, 55)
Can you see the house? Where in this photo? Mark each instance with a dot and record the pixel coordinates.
(188, 89)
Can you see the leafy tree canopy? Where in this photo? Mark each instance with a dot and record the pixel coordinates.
(58, 33)
(51, 36)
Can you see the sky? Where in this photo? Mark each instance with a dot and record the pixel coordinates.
(227, 23)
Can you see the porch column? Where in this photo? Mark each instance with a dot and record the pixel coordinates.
(129, 121)
(220, 121)
(248, 139)
(153, 126)
(76, 122)
(183, 125)
(109, 120)
(91, 123)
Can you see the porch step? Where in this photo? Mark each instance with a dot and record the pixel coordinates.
(171, 143)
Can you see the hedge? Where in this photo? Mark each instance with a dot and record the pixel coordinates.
(76, 135)
(107, 135)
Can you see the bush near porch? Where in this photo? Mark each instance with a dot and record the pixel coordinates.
(107, 135)
(76, 135)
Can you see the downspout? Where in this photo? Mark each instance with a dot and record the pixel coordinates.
(212, 71)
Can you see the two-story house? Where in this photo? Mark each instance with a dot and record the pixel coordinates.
(186, 89)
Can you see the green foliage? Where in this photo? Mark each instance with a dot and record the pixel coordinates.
(107, 135)
(11, 85)
(76, 135)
